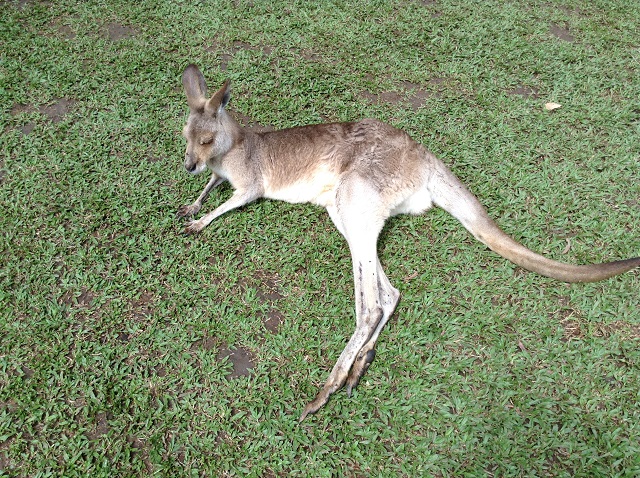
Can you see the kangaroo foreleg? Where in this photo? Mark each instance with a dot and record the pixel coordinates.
(239, 198)
(193, 209)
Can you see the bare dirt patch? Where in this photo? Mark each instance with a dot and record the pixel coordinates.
(117, 32)
(243, 360)
(5, 463)
(268, 292)
(101, 427)
(272, 321)
(241, 45)
(27, 128)
(560, 32)
(310, 56)
(418, 95)
(369, 96)
(389, 97)
(142, 449)
(525, 92)
(408, 92)
(224, 60)
(72, 299)
(57, 109)
(62, 31)
(17, 110)
(160, 370)
(142, 306)
(250, 123)
(20, 109)
(229, 52)
(21, 4)
(206, 343)
(66, 32)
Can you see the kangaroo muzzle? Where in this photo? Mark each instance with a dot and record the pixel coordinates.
(189, 163)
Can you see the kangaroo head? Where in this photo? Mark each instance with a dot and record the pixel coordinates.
(210, 132)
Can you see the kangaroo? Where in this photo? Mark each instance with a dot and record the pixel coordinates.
(363, 173)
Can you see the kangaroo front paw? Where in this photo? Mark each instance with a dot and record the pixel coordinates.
(189, 210)
(193, 227)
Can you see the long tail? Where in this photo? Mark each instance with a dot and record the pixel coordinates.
(450, 194)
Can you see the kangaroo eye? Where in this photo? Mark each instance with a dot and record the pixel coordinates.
(206, 139)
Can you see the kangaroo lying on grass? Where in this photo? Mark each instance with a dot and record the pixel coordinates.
(362, 173)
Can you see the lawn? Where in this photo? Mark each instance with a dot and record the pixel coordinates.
(129, 349)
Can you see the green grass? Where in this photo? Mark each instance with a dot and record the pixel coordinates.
(113, 325)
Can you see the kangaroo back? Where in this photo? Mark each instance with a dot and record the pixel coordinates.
(451, 195)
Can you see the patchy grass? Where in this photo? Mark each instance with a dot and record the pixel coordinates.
(130, 350)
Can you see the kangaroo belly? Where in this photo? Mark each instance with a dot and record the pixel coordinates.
(317, 188)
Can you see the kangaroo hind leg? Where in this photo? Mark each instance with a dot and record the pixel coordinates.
(360, 220)
(389, 298)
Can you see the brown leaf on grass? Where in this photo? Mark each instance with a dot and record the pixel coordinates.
(411, 276)
(552, 106)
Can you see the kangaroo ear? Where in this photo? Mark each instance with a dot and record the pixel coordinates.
(195, 87)
(219, 100)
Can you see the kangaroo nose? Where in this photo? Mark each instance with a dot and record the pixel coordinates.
(189, 163)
